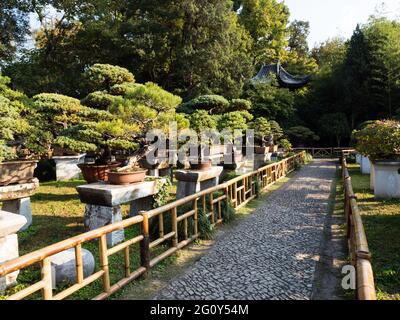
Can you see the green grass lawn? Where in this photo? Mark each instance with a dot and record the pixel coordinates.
(58, 215)
(381, 220)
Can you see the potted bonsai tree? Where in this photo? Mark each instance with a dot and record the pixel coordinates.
(262, 134)
(380, 142)
(103, 139)
(276, 134)
(20, 142)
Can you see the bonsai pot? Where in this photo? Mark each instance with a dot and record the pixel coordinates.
(94, 172)
(201, 165)
(261, 150)
(126, 177)
(387, 179)
(17, 172)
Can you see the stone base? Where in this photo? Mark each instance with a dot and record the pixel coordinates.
(372, 177)
(387, 180)
(190, 182)
(67, 167)
(63, 267)
(365, 165)
(142, 204)
(358, 158)
(8, 251)
(261, 159)
(99, 216)
(22, 207)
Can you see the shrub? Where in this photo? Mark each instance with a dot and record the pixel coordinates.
(237, 120)
(379, 140)
(240, 105)
(214, 104)
(101, 77)
(302, 135)
(201, 119)
(285, 144)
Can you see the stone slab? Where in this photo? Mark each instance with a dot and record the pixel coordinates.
(67, 167)
(108, 195)
(10, 223)
(21, 207)
(63, 267)
(198, 175)
(18, 191)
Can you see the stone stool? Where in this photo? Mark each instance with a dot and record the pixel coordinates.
(193, 181)
(16, 199)
(67, 167)
(103, 204)
(10, 223)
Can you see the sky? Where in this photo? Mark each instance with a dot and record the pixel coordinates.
(331, 18)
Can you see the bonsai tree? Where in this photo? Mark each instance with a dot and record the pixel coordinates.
(301, 135)
(262, 131)
(379, 140)
(276, 132)
(54, 113)
(285, 144)
(103, 138)
(18, 137)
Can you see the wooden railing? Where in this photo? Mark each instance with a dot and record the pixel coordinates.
(360, 255)
(237, 192)
(325, 152)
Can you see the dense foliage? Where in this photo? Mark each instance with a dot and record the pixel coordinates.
(379, 140)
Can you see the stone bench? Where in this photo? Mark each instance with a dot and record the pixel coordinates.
(193, 181)
(103, 204)
(16, 199)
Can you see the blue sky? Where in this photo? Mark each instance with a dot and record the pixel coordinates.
(330, 18)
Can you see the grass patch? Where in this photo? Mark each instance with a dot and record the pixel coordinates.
(381, 220)
(58, 215)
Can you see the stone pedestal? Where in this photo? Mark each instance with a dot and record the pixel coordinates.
(103, 204)
(261, 159)
(67, 167)
(365, 165)
(193, 181)
(9, 225)
(387, 179)
(372, 177)
(16, 199)
(358, 158)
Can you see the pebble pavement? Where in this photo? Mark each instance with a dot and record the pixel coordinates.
(269, 255)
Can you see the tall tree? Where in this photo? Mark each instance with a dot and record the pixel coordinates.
(266, 21)
(14, 26)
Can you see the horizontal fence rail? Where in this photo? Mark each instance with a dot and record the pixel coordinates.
(360, 255)
(326, 152)
(184, 230)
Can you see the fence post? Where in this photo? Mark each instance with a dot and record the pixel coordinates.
(145, 243)
(47, 290)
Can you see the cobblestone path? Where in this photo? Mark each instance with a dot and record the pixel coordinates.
(271, 254)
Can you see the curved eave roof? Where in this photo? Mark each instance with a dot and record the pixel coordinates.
(285, 79)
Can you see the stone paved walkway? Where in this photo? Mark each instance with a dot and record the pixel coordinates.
(270, 254)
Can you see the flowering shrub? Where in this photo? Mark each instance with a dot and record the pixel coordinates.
(379, 140)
